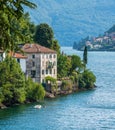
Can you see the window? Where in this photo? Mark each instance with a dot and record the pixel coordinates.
(18, 60)
(33, 73)
(54, 56)
(50, 56)
(47, 71)
(42, 71)
(33, 56)
(33, 64)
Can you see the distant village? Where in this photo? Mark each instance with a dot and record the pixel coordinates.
(108, 40)
(105, 42)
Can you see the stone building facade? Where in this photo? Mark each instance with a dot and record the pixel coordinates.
(40, 62)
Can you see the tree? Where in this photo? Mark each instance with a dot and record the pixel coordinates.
(76, 63)
(34, 91)
(11, 10)
(55, 46)
(14, 88)
(85, 56)
(63, 66)
(87, 79)
(44, 35)
(12, 82)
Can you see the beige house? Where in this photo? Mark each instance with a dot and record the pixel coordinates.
(20, 58)
(41, 62)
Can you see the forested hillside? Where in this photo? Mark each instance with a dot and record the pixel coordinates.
(72, 20)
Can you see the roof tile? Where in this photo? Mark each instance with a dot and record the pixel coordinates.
(36, 48)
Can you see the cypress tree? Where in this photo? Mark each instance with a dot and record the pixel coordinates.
(85, 56)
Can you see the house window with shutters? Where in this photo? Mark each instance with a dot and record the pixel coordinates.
(43, 72)
(46, 71)
(33, 56)
(33, 73)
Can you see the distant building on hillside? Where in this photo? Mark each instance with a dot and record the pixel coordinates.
(40, 62)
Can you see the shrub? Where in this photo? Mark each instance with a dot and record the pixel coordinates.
(66, 85)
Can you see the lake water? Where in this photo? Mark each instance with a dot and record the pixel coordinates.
(90, 110)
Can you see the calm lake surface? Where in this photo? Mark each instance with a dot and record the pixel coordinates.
(90, 110)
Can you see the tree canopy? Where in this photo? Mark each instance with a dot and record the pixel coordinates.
(76, 63)
(11, 12)
(63, 66)
(44, 35)
(14, 88)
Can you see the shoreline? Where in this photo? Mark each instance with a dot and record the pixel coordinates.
(49, 95)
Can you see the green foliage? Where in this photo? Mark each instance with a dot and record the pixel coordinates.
(76, 63)
(53, 82)
(39, 92)
(14, 88)
(63, 66)
(72, 78)
(55, 46)
(87, 79)
(51, 79)
(12, 81)
(75, 75)
(81, 82)
(44, 35)
(66, 85)
(11, 14)
(34, 91)
(23, 26)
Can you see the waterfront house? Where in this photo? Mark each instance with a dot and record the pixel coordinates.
(21, 59)
(40, 62)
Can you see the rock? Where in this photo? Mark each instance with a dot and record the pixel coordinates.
(49, 95)
(2, 106)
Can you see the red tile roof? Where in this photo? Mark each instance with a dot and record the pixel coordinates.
(17, 55)
(20, 56)
(36, 48)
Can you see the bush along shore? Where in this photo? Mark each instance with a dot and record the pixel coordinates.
(68, 85)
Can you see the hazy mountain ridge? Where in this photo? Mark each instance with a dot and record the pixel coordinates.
(75, 19)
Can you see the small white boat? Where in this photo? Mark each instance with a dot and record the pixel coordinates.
(37, 106)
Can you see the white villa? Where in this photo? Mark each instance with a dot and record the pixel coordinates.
(40, 62)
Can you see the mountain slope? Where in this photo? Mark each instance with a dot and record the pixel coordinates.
(72, 20)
